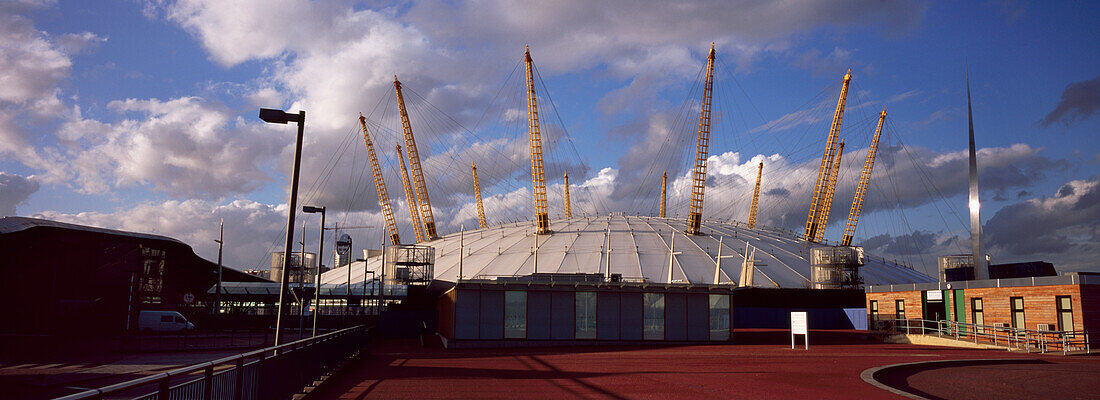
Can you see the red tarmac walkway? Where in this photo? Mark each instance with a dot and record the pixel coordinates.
(766, 368)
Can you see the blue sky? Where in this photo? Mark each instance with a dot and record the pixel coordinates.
(142, 115)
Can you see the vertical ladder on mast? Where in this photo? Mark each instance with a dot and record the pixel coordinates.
(755, 197)
(477, 195)
(826, 163)
(422, 200)
(414, 209)
(664, 187)
(380, 186)
(568, 207)
(830, 191)
(699, 172)
(538, 180)
(861, 189)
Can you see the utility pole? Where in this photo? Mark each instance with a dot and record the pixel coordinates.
(320, 259)
(218, 288)
(301, 286)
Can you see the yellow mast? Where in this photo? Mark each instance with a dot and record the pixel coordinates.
(410, 198)
(664, 186)
(755, 196)
(826, 162)
(699, 173)
(538, 180)
(864, 180)
(380, 186)
(422, 201)
(477, 195)
(568, 208)
(827, 201)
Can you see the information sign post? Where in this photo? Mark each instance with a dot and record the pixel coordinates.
(798, 327)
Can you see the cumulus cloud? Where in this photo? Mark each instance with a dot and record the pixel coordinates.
(14, 190)
(1080, 100)
(250, 227)
(186, 147)
(1062, 226)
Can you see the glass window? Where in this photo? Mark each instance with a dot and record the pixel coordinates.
(1065, 313)
(515, 314)
(165, 318)
(586, 315)
(874, 310)
(180, 319)
(977, 313)
(654, 317)
(719, 317)
(1018, 312)
(899, 312)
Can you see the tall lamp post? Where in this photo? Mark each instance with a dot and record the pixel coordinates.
(282, 117)
(320, 259)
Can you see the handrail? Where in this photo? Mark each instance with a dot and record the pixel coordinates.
(1019, 338)
(238, 359)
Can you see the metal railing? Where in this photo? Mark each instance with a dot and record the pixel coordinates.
(1011, 338)
(277, 372)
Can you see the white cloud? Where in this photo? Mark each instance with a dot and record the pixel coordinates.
(185, 147)
(14, 190)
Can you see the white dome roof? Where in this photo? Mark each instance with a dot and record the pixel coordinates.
(639, 250)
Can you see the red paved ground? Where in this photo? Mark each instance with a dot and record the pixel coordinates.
(765, 369)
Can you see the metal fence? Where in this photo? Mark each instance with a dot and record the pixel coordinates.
(196, 340)
(1012, 338)
(277, 372)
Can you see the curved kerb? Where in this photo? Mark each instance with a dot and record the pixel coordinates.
(869, 375)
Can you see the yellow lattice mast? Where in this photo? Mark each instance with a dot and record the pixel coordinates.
(827, 200)
(568, 208)
(380, 186)
(861, 189)
(755, 196)
(477, 195)
(826, 162)
(414, 213)
(538, 180)
(699, 173)
(664, 186)
(422, 201)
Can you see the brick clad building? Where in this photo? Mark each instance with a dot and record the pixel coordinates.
(1069, 302)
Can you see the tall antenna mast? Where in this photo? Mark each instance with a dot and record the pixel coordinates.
(380, 186)
(477, 195)
(981, 271)
(422, 200)
(830, 191)
(699, 173)
(414, 213)
(664, 187)
(568, 208)
(755, 196)
(826, 163)
(538, 180)
(861, 189)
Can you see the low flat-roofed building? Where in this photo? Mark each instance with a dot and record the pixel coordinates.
(1068, 302)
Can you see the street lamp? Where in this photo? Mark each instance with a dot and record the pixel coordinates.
(320, 259)
(281, 117)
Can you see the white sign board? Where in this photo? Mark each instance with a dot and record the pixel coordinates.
(934, 295)
(798, 323)
(798, 327)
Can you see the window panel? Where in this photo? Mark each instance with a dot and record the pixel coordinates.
(586, 315)
(1065, 313)
(719, 317)
(1017, 304)
(653, 316)
(515, 314)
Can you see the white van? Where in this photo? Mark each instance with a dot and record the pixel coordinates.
(163, 321)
